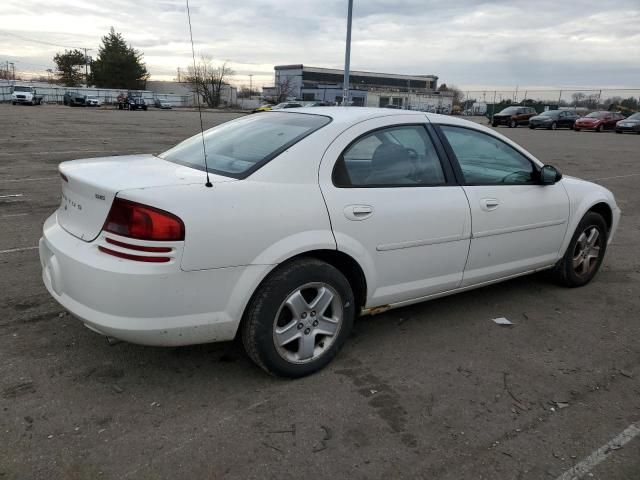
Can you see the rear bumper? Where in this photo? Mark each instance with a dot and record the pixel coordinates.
(149, 304)
(501, 120)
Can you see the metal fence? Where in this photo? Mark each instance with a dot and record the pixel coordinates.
(485, 102)
(108, 96)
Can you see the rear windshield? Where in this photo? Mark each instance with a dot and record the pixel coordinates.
(238, 148)
(509, 111)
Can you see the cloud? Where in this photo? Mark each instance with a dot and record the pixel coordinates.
(498, 42)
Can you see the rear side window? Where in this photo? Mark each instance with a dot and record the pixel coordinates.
(238, 148)
(486, 160)
(390, 157)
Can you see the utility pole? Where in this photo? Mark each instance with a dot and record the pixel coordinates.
(347, 57)
(86, 67)
(13, 68)
(250, 85)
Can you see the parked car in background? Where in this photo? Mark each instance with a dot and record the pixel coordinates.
(26, 95)
(630, 124)
(320, 214)
(318, 104)
(92, 101)
(74, 99)
(136, 102)
(131, 101)
(598, 121)
(552, 119)
(265, 107)
(513, 116)
(285, 105)
(163, 104)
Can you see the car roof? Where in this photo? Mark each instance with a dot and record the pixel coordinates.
(352, 115)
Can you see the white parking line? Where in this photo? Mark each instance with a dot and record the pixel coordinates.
(617, 176)
(586, 465)
(14, 215)
(12, 195)
(22, 249)
(27, 179)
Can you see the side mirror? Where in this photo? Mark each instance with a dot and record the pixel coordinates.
(549, 175)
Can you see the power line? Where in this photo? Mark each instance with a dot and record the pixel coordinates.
(27, 39)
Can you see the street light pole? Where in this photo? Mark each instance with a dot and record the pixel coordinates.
(347, 58)
(250, 85)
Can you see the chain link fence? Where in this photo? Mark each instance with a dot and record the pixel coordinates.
(107, 96)
(487, 102)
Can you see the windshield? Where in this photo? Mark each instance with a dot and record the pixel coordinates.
(238, 148)
(21, 89)
(549, 113)
(635, 116)
(509, 111)
(597, 115)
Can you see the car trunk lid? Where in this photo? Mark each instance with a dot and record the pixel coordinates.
(89, 187)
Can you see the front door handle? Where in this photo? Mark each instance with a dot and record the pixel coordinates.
(358, 212)
(489, 204)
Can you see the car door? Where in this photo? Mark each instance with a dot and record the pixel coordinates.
(395, 207)
(518, 225)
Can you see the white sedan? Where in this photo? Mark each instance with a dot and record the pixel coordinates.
(311, 217)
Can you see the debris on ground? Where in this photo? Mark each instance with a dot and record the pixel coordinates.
(503, 321)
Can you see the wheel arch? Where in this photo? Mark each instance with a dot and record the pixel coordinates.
(343, 262)
(603, 209)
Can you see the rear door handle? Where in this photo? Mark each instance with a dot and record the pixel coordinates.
(358, 212)
(489, 204)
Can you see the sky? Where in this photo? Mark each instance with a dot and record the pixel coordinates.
(470, 43)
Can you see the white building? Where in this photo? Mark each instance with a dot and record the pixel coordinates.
(306, 83)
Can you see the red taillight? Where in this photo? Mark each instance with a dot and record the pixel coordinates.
(137, 258)
(134, 220)
(140, 248)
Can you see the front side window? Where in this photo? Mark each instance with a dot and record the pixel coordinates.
(239, 147)
(395, 156)
(486, 160)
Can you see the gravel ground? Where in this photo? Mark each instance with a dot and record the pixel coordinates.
(435, 390)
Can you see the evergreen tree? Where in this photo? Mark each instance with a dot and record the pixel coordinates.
(118, 65)
(69, 65)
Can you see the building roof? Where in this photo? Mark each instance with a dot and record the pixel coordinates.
(354, 72)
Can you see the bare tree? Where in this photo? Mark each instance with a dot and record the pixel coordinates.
(284, 89)
(452, 91)
(208, 80)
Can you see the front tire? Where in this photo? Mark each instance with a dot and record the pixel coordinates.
(554, 126)
(299, 318)
(513, 124)
(585, 252)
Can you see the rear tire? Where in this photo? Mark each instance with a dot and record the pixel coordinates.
(576, 129)
(585, 252)
(299, 318)
(599, 129)
(494, 124)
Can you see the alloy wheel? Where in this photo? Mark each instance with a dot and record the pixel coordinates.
(308, 322)
(587, 251)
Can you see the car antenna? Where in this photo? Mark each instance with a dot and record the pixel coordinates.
(197, 95)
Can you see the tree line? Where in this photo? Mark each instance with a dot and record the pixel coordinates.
(117, 65)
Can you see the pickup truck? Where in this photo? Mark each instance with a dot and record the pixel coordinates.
(25, 94)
